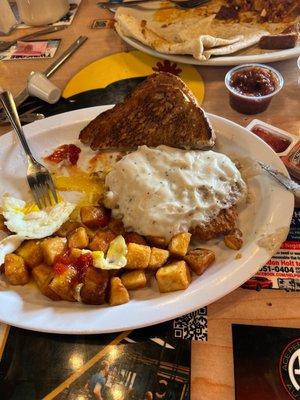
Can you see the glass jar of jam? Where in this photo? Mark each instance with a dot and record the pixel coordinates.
(252, 86)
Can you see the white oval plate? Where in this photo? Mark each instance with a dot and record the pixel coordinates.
(269, 212)
(273, 56)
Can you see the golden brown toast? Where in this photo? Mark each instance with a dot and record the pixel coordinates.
(160, 110)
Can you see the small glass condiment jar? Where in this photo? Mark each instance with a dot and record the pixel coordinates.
(252, 86)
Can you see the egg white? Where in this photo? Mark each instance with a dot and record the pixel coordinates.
(27, 224)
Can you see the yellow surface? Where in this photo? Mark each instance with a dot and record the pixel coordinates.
(80, 181)
(121, 66)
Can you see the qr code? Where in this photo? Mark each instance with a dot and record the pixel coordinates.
(192, 326)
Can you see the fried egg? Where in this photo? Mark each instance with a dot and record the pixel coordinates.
(27, 221)
(115, 256)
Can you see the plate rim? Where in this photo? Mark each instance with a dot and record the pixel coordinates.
(220, 61)
(81, 115)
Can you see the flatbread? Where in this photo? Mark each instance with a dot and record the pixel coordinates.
(129, 25)
(188, 32)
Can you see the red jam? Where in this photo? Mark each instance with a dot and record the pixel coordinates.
(67, 152)
(251, 89)
(254, 81)
(278, 143)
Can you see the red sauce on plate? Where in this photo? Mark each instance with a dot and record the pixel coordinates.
(67, 152)
(278, 143)
(65, 261)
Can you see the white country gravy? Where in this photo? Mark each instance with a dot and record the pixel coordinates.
(162, 191)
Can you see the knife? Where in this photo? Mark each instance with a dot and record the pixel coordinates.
(285, 181)
(23, 95)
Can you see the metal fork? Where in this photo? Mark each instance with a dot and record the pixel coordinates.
(38, 177)
(185, 4)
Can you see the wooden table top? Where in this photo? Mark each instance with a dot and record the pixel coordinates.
(212, 362)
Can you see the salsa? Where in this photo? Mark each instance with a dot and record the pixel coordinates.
(278, 143)
(254, 81)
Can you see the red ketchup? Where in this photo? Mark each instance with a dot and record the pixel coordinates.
(80, 265)
(67, 152)
(251, 87)
(278, 143)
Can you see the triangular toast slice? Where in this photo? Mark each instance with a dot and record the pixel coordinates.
(160, 110)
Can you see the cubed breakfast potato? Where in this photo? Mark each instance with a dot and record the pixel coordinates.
(172, 277)
(15, 270)
(157, 241)
(43, 275)
(132, 237)
(78, 238)
(94, 216)
(116, 226)
(234, 240)
(179, 244)
(158, 258)
(94, 286)
(118, 292)
(199, 259)
(101, 241)
(75, 253)
(62, 284)
(134, 279)
(52, 247)
(67, 228)
(31, 253)
(138, 256)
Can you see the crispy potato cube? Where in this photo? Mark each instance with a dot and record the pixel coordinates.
(15, 270)
(78, 238)
(172, 277)
(94, 286)
(199, 259)
(158, 258)
(138, 256)
(101, 241)
(116, 226)
(62, 284)
(94, 217)
(75, 253)
(132, 237)
(31, 253)
(118, 292)
(134, 279)
(52, 247)
(43, 275)
(157, 241)
(234, 240)
(67, 228)
(179, 244)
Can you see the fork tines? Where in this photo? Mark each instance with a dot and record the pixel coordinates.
(43, 190)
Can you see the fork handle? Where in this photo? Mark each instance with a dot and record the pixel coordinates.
(10, 108)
